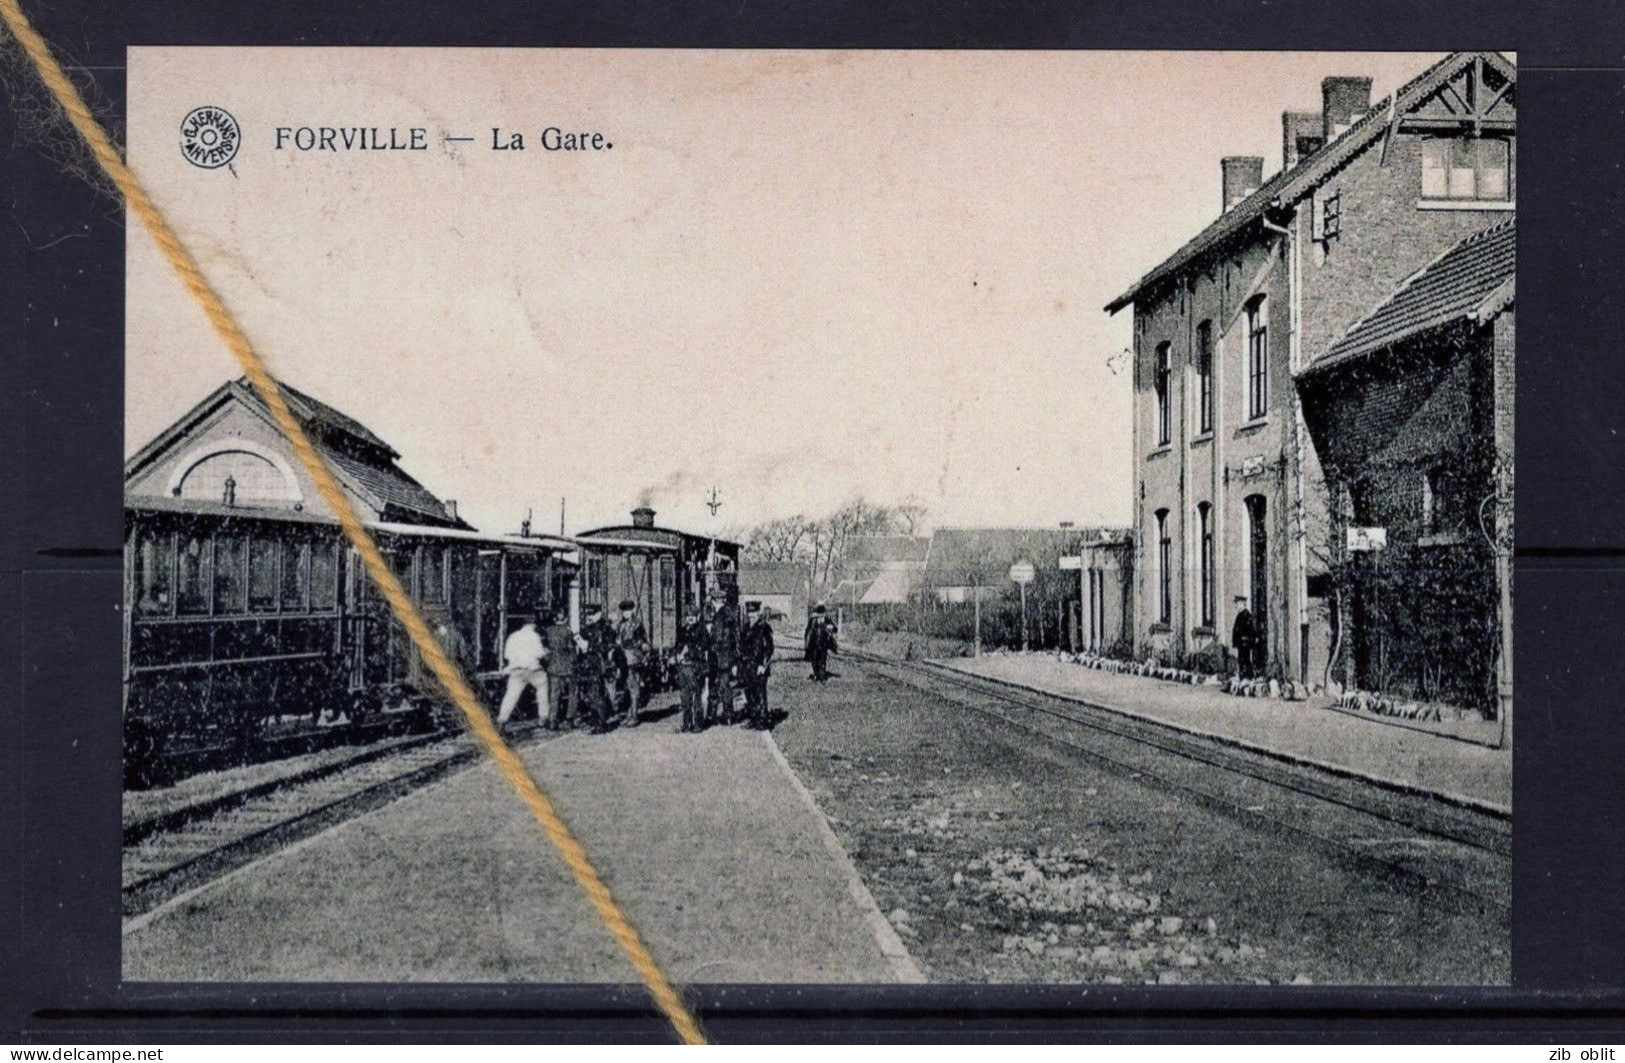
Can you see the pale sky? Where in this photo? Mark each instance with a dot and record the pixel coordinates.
(797, 276)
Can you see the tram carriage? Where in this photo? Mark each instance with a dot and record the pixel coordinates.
(669, 573)
(251, 626)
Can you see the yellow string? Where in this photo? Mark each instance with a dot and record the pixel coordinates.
(449, 675)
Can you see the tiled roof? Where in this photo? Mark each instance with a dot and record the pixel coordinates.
(774, 578)
(385, 485)
(870, 550)
(957, 553)
(1472, 279)
(314, 412)
(1290, 185)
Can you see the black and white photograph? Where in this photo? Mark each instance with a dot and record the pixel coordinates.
(921, 517)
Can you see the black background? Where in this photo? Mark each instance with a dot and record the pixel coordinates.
(61, 434)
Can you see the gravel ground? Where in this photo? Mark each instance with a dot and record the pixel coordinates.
(1001, 858)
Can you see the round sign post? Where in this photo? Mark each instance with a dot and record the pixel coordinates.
(1021, 573)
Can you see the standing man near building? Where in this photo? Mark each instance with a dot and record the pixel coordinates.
(595, 649)
(523, 656)
(820, 643)
(756, 662)
(1248, 641)
(632, 645)
(724, 647)
(690, 654)
(561, 662)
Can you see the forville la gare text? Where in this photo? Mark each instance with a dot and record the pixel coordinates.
(416, 138)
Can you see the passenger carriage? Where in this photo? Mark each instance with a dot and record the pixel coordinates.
(251, 625)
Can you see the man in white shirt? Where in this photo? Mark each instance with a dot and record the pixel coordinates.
(524, 659)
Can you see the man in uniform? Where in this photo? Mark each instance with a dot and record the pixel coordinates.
(632, 644)
(724, 647)
(561, 662)
(820, 643)
(595, 648)
(756, 663)
(690, 654)
(522, 656)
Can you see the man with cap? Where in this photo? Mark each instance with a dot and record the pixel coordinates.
(632, 646)
(561, 663)
(819, 642)
(689, 655)
(523, 655)
(756, 662)
(595, 649)
(723, 638)
(1247, 637)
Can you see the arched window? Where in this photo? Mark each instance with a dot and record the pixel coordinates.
(237, 477)
(1165, 570)
(1204, 524)
(1258, 357)
(1164, 371)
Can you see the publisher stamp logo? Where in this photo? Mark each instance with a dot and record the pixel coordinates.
(209, 137)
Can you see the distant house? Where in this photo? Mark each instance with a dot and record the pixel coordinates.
(891, 566)
(962, 559)
(779, 586)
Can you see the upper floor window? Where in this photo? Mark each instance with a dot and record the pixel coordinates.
(1163, 373)
(1204, 377)
(1258, 357)
(1466, 168)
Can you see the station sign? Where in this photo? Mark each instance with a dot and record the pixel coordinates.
(1022, 572)
(1071, 563)
(1367, 540)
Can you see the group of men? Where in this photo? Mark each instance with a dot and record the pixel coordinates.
(597, 677)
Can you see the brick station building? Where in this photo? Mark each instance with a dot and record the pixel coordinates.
(1230, 496)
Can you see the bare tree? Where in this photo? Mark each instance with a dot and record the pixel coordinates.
(784, 539)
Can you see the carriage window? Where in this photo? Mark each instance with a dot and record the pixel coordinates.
(192, 572)
(295, 575)
(668, 584)
(154, 561)
(228, 574)
(262, 574)
(324, 575)
(434, 575)
(595, 575)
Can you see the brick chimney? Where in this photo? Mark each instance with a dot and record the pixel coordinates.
(1242, 174)
(643, 517)
(451, 507)
(1342, 101)
(1302, 134)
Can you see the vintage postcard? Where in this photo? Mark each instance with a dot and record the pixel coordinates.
(923, 517)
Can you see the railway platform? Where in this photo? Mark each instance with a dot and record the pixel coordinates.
(712, 845)
(1454, 767)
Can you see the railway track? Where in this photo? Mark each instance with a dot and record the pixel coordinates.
(1452, 849)
(181, 848)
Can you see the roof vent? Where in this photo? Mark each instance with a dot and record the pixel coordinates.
(643, 517)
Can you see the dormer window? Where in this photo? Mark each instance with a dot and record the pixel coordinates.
(1466, 168)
